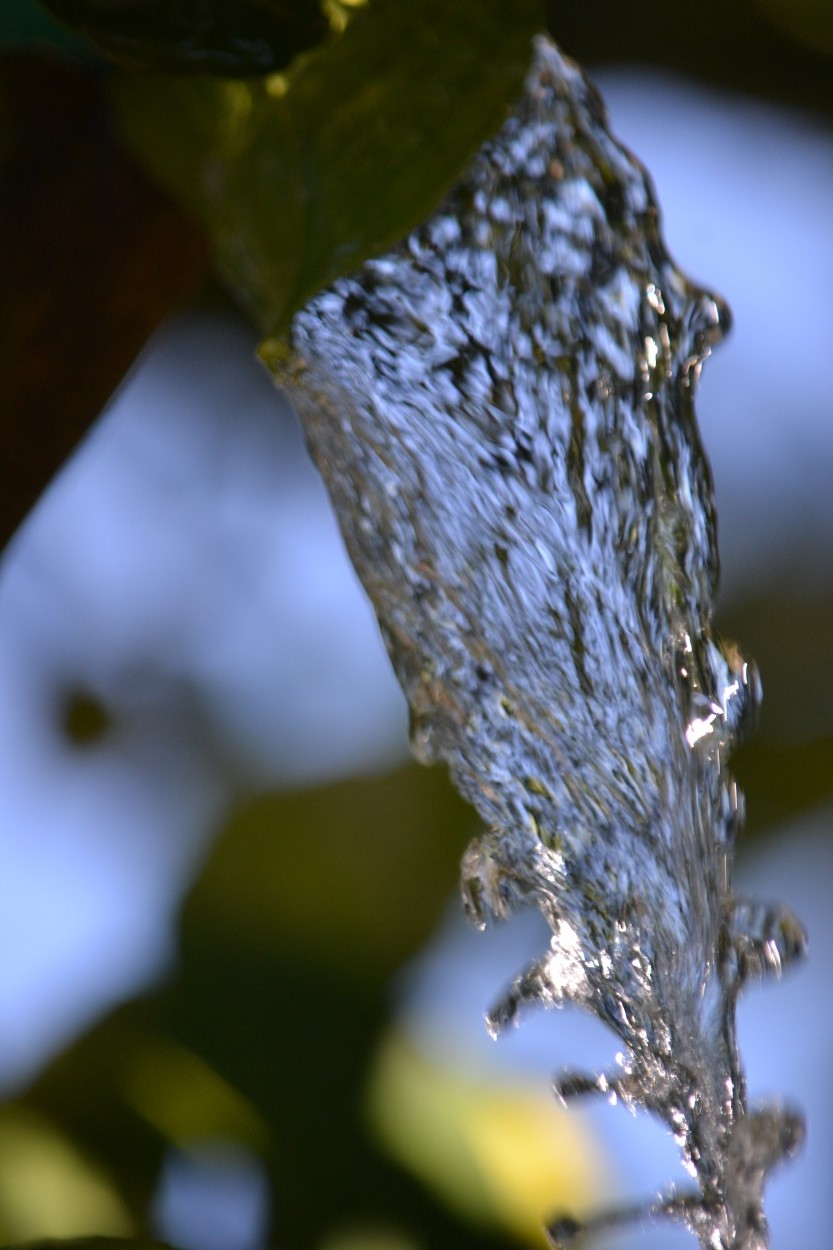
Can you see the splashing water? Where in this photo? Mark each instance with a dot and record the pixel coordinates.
(502, 408)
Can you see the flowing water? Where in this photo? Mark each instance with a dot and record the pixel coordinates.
(502, 408)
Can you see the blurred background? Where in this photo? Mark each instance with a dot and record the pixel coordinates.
(238, 1003)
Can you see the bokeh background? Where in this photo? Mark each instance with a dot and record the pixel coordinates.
(238, 1003)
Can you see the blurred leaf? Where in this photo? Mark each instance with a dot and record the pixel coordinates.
(300, 177)
(176, 1092)
(87, 1092)
(809, 21)
(307, 907)
(782, 780)
(47, 1187)
(749, 55)
(93, 1243)
(370, 1237)
(357, 873)
(24, 24)
(208, 36)
(786, 766)
(788, 631)
(501, 1150)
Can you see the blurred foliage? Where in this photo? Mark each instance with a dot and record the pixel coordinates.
(95, 1243)
(25, 25)
(500, 1153)
(356, 873)
(730, 43)
(786, 766)
(788, 630)
(206, 36)
(299, 177)
(266, 1036)
(782, 779)
(810, 21)
(47, 1187)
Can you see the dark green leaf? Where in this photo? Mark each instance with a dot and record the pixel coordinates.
(206, 36)
(302, 177)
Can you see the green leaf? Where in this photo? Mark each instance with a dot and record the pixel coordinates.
(206, 36)
(301, 177)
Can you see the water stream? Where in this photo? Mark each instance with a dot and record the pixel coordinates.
(502, 408)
